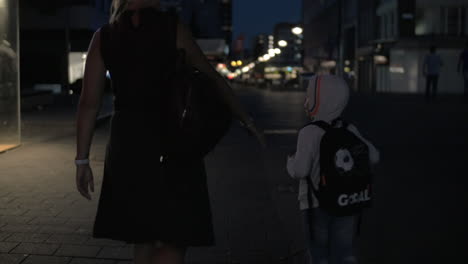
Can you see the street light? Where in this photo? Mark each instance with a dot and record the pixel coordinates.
(271, 52)
(297, 30)
(282, 43)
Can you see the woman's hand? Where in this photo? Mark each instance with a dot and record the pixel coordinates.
(84, 180)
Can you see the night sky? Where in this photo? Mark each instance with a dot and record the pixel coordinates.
(252, 17)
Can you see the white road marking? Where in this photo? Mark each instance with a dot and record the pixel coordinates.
(280, 131)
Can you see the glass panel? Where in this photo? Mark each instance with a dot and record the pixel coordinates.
(9, 85)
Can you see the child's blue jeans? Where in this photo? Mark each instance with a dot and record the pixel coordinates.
(329, 239)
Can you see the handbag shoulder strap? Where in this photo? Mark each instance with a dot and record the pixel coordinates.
(104, 32)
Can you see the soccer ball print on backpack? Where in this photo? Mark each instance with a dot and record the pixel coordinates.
(345, 175)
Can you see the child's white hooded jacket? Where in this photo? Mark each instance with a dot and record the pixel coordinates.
(328, 96)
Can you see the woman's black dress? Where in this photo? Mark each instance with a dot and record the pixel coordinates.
(143, 199)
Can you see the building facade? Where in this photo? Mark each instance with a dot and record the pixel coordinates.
(57, 34)
(211, 24)
(321, 35)
(380, 45)
(9, 76)
(291, 54)
(407, 29)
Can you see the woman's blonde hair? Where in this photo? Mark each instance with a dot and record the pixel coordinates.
(119, 6)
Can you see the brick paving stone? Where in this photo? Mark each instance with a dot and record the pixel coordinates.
(35, 259)
(15, 219)
(54, 195)
(104, 242)
(28, 237)
(59, 202)
(19, 228)
(30, 206)
(116, 252)
(48, 220)
(36, 248)
(84, 230)
(78, 251)
(4, 235)
(6, 247)
(5, 200)
(56, 229)
(91, 261)
(82, 212)
(67, 239)
(4, 193)
(13, 211)
(80, 222)
(11, 258)
(43, 212)
(27, 201)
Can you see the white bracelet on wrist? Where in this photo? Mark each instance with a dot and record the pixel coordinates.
(81, 162)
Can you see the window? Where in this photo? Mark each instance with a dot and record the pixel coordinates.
(453, 20)
(383, 26)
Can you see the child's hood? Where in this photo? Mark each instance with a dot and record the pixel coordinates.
(328, 96)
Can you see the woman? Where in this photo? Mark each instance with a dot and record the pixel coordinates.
(161, 215)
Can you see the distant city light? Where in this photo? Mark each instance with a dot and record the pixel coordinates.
(233, 63)
(266, 57)
(328, 64)
(245, 69)
(297, 30)
(277, 51)
(379, 59)
(239, 63)
(397, 70)
(282, 43)
(271, 52)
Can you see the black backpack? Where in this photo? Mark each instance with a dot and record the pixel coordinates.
(345, 175)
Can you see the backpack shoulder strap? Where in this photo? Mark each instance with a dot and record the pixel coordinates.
(322, 124)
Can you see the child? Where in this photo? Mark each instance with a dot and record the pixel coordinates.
(329, 237)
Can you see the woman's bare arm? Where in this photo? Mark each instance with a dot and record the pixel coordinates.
(196, 58)
(91, 97)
